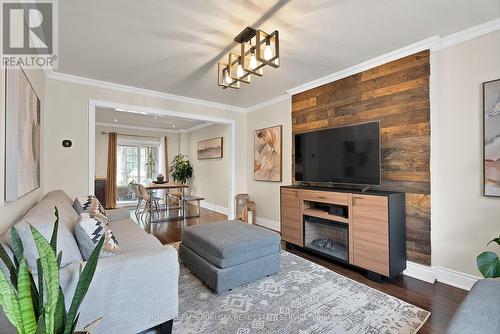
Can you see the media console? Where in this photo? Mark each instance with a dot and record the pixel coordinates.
(364, 229)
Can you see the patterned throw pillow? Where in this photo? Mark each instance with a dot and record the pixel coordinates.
(88, 232)
(91, 205)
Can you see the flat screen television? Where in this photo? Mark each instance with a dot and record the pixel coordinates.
(346, 155)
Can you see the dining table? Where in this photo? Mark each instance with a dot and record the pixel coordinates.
(167, 186)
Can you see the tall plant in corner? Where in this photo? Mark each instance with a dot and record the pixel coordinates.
(488, 262)
(181, 169)
(40, 309)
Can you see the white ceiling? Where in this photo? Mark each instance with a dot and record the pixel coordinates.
(137, 120)
(174, 46)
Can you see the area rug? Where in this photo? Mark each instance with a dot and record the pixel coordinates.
(302, 298)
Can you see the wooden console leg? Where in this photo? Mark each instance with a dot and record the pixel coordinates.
(166, 327)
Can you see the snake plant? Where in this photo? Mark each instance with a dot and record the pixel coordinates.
(23, 301)
(488, 262)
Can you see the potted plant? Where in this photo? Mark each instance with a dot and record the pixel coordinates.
(40, 309)
(181, 169)
(488, 262)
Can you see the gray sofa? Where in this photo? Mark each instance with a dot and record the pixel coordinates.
(133, 291)
(480, 310)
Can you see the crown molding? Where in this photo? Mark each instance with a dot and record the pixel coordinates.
(60, 76)
(374, 62)
(435, 43)
(468, 34)
(268, 103)
(135, 127)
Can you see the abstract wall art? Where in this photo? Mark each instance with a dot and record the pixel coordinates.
(267, 154)
(491, 116)
(22, 136)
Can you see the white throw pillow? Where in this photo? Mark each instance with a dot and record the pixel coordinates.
(88, 232)
(65, 243)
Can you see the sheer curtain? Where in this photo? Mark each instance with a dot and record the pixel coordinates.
(163, 157)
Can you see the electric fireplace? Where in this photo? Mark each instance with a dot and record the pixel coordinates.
(327, 237)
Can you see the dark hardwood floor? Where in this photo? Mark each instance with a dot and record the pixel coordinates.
(440, 299)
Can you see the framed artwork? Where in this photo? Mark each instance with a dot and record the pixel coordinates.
(22, 136)
(210, 149)
(267, 159)
(491, 117)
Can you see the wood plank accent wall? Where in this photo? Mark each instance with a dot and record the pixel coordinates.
(397, 95)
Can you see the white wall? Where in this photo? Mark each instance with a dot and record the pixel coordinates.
(67, 110)
(210, 176)
(463, 220)
(101, 144)
(267, 194)
(11, 211)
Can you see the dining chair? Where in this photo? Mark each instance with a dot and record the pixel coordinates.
(146, 202)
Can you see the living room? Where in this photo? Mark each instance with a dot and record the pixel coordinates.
(376, 116)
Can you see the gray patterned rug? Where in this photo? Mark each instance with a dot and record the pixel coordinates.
(302, 298)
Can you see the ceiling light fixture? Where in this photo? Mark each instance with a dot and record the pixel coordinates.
(173, 125)
(116, 120)
(257, 49)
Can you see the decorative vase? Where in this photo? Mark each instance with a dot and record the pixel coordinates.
(160, 178)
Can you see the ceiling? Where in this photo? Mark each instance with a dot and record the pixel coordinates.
(174, 46)
(138, 120)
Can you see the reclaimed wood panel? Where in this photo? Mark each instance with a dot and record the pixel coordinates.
(397, 95)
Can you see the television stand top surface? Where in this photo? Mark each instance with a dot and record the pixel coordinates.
(368, 190)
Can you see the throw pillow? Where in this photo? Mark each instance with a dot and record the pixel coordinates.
(88, 232)
(91, 205)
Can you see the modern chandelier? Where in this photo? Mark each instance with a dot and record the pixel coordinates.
(257, 49)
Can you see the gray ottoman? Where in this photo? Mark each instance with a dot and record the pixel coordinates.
(228, 254)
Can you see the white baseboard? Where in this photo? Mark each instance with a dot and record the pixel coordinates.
(444, 275)
(214, 207)
(271, 224)
(419, 271)
(455, 278)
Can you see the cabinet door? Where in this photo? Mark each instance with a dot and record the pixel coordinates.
(370, 219)
(291, 217)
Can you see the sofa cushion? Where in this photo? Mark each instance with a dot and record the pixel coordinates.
(480, 310)
(132, 237)
(229, 243)
(91, 205)
(88, 232)
(63, 202)
(65, 241)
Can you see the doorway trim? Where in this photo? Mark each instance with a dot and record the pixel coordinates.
(93, 104)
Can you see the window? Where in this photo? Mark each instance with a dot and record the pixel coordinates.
(134, 163)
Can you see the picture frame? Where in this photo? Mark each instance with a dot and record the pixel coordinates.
(22, 135)
(210, 149)
(268, 154)
(491, 138)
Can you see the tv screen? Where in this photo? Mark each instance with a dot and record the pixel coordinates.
(348, 154)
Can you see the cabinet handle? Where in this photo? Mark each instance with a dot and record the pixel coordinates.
(354, 198)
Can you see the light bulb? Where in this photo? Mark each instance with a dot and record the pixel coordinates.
(239, 71)
(253, 61)
(268, 52)
(227, 79)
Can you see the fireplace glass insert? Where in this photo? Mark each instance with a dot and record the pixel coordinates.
(328, 237)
